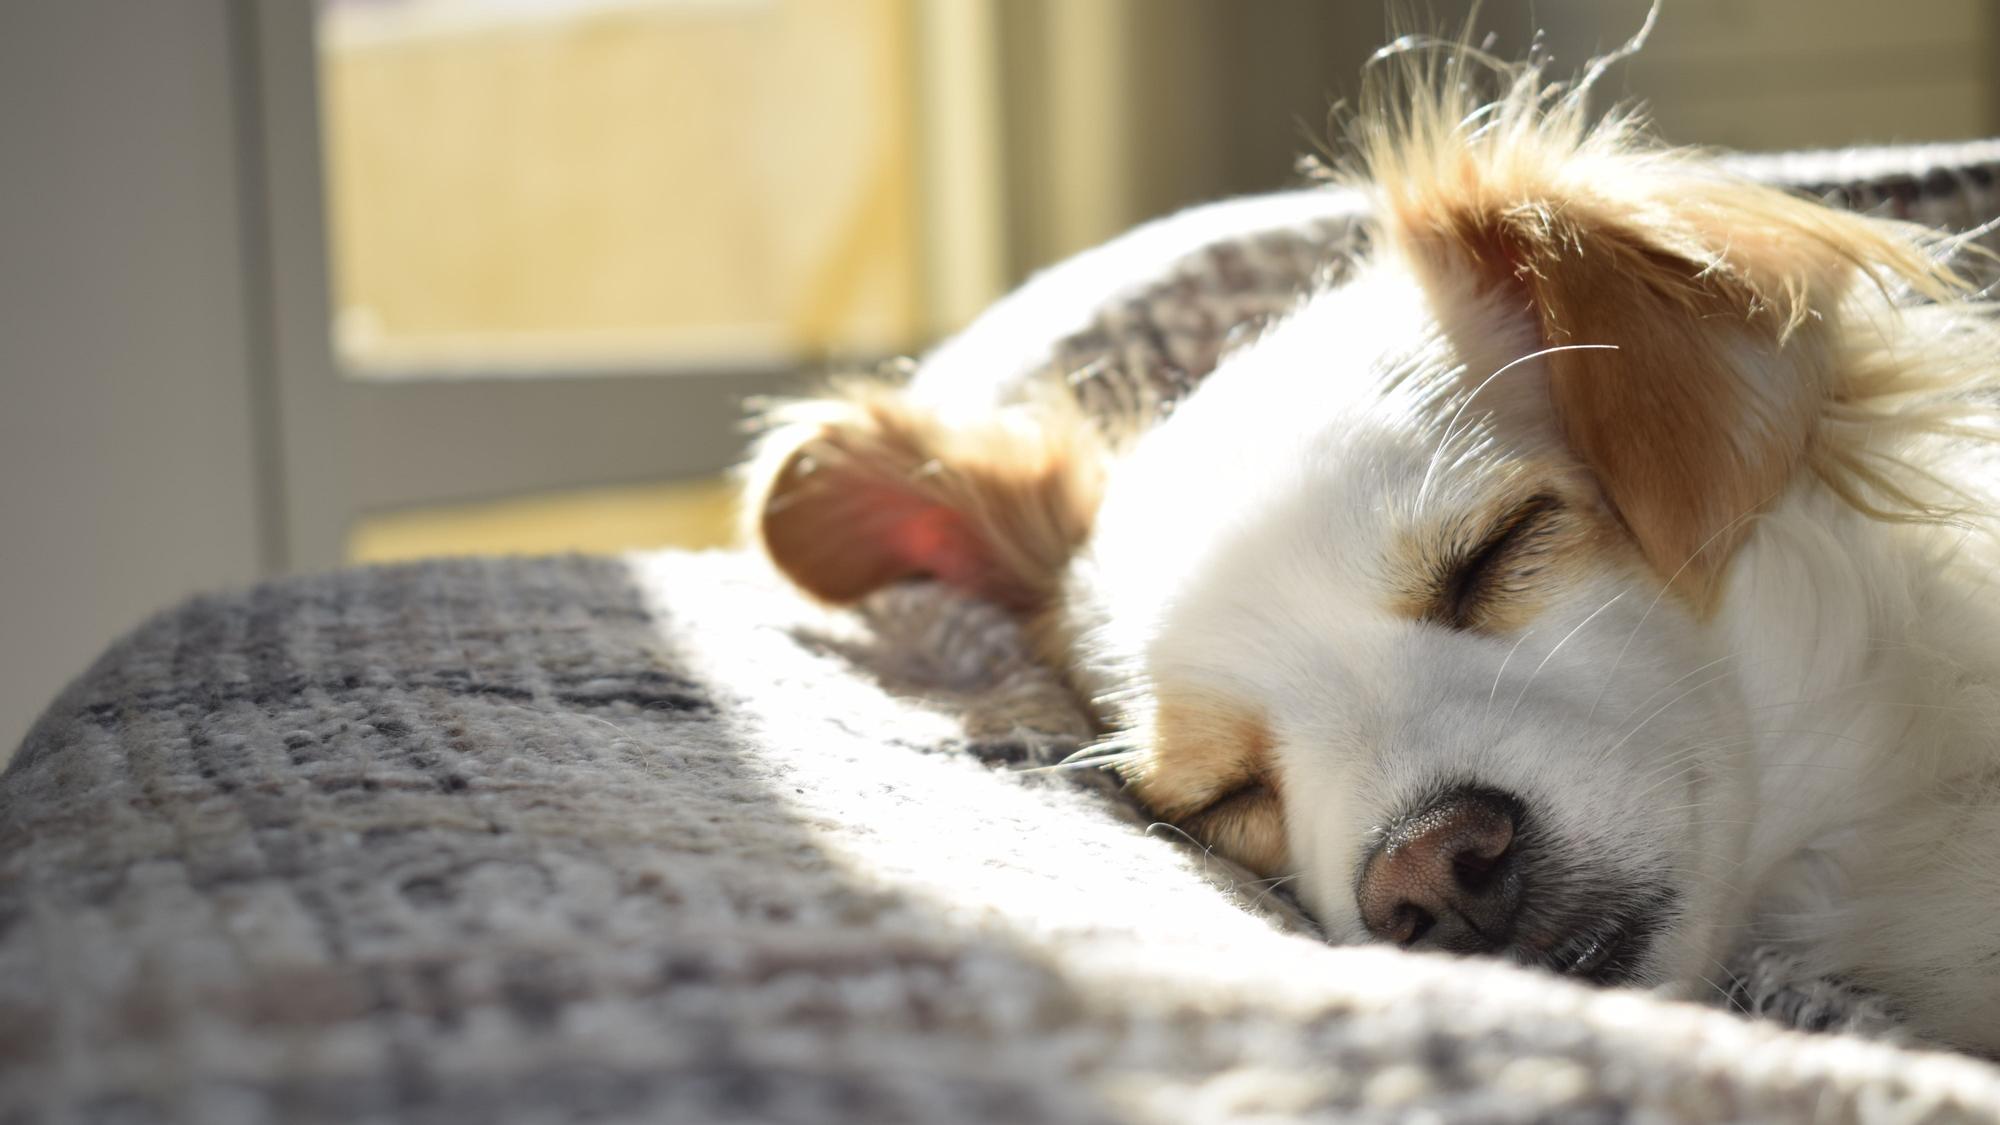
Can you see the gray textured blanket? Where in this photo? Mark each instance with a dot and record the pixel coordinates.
(652, 840)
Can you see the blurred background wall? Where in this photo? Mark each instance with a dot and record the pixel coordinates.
(130, 470)
(285, 287)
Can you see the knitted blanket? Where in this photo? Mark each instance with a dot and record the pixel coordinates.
(651, 839)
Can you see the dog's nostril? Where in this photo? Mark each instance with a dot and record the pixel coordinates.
(1410, 925)
(1476, 867)
(1448, 876)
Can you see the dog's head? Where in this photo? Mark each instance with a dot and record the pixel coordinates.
(1414, 597)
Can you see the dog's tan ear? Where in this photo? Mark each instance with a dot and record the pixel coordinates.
(1722, 297)
(1707, 311)
(868, 487)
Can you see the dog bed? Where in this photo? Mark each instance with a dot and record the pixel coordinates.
(652, 839)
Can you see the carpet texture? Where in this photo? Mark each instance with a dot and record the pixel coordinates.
(653, 840)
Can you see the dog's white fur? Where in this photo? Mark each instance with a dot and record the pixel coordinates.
(1750, 662)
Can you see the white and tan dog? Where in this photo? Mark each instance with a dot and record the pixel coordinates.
(1600, 577)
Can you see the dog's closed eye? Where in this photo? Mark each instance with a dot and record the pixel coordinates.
(1478, 582)
(1247, 824)
(1210, 771)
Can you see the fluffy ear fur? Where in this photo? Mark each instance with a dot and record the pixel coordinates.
(1711, 308)
(867, 487)
(1696, 404)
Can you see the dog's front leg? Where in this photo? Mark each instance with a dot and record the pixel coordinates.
(1770, 984)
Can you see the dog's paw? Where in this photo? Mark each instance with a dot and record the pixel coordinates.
(1766, 983)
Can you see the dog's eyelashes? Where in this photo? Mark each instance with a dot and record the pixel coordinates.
(1492, 568)
(1245, 823)
(1237, 799)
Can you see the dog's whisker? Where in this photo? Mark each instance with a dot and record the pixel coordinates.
(1677, 681)
(1654, 785)
(1942, 708)
(1504, 661)
(1207, 850)
(1450, 429)
(1655, 603)
(1662, 709)
(1613, 600)
(1687, 942)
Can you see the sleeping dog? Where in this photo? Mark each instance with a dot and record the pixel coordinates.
(1598, 577)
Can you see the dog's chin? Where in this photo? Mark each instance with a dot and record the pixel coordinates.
(1614, 950)
(1604, 931)
(1674, 947)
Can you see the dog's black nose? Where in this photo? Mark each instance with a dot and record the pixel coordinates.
(1447, 876)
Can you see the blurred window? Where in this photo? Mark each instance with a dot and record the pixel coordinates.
(541, 183)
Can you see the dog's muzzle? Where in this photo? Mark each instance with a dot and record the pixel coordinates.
(1455, 876)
